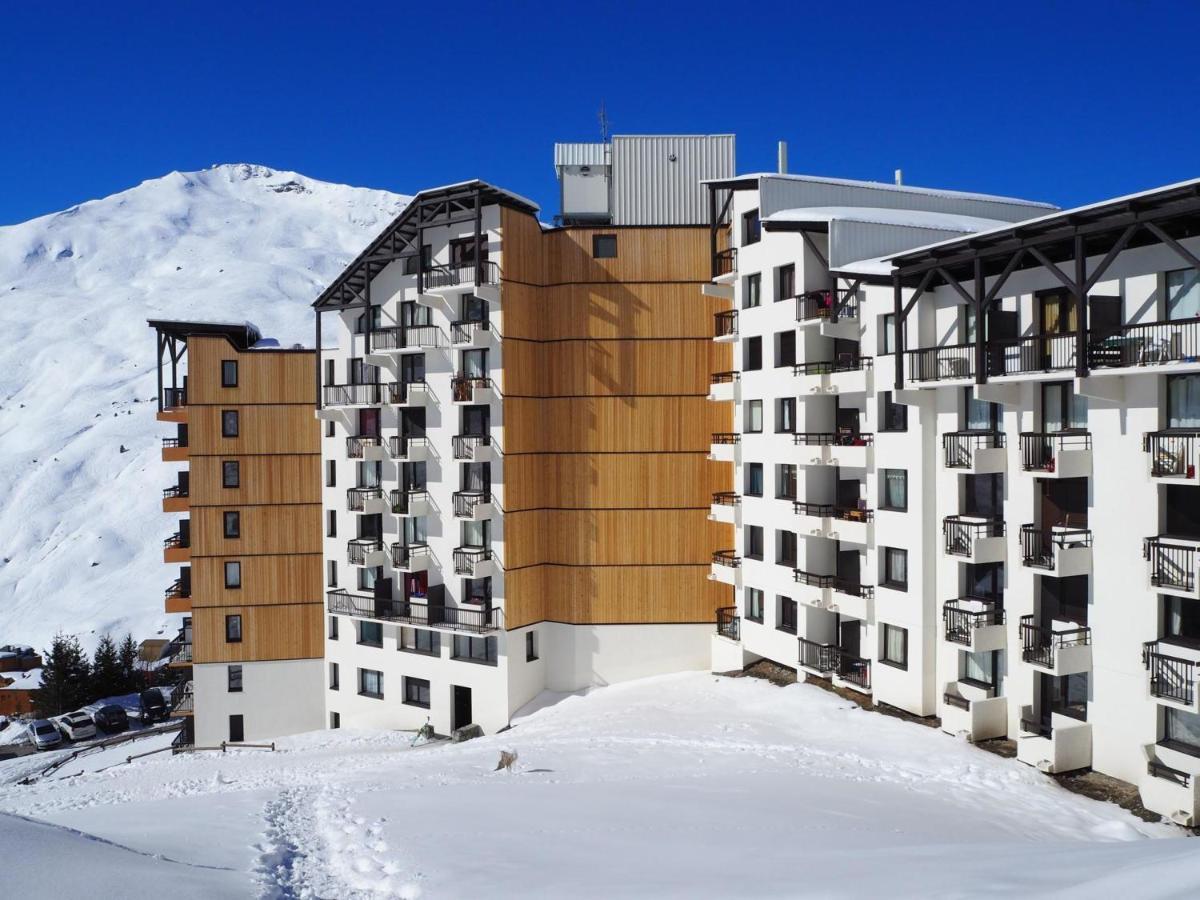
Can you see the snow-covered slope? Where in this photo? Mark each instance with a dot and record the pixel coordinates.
(81, 526)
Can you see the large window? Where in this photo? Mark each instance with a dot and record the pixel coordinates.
(979, 668)
(1181, 730)
(1067, 695)
(754, 604)
(752, 354)
(893, 489)
(894, 563)
(1183, 294)
(1183, 401)
(229, 423)
(370, 684)
(894, 646)
(229, 373)
(785, 282)
(752, 423)
(785, 481)
(754, 542)
(475, 649)
(416, 692)
(418, 640)
(754, 480)
(1181, 620)
(892, 416)
(752, 291)
(785, 415)
(370, 634)
(785, 548)
(786, 613)
(785, 349)
(751, 228)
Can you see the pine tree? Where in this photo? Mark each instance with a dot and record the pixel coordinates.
(66, 682)
(128, 657)
(108, 677)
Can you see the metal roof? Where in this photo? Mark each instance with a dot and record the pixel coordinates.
(241, 334)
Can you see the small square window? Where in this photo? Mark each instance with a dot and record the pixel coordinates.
(370, 634)
(531, 646)
(231, 474)
(229, 373)
(233, 629)
(229, 423)
(604, 246)
(233, 524)
(233, 574)
(370, 683)
(235, 679)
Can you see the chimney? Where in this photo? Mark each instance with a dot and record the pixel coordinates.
(783, 157)
(899, 177)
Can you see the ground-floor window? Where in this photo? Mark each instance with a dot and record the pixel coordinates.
(237, 730)
(894, 649)
(1181, 730)
(335, 720)
(416, 692)
(475, 649)
(531, 652)
(370, 683)
(979, 668)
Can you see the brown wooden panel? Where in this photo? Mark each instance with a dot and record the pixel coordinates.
(268, 632)
(261, 429)
(522, 247)
(266, 580)
(613, 424)
(643, 254)
(264, 479)
(624, 480)
(264, 376)
(264, 529)
(605, 368)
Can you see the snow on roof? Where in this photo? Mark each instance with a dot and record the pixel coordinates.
(458, 184)
(22, 681)
(880, 265)
(910, 218)
(10, 650)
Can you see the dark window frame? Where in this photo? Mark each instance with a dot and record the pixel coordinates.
(232, 565)
(603, 242)
(531, 654)
(882, 491)
(230, 681)
(233, 628)
(226, 380)
(883, 646)
(413, 689)
(335, 676)
(783, 603)
(752, 364)
(751, 228)
(231, 466)
(236, 520)
(230, 416)
(748, 469)
(886, 577)
(750, 551)
(889, 409)
(751, 615)
(360, 641)
(362, 690)
(432, 638)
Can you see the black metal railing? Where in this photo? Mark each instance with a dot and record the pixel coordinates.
(358, 549)
(177, 541)
(725, 323)
(467, 332)
(400, 337)
(176, 490)
(1039, 546)
(403, 555)
(402, 500)
(478, 619)
(400, 445)
(1172, 564)
(812, 579)
(1038, 644)
(845, 363)
(443, 276)
(726, 437)
(729, 624)
(961, 533)
(1152, 343)
(941, 363)
(467, 558)
(961, 620)
(467, 502)
(956, 700)
(1036, 726)
(464, 445)
(726, 498)
(724, 262)
(357, 444)
(819, 305)
(463, 387)
(1158, 770)
(725, 377)
(833, 439)
(1032, 353)
(174, 442)
(404, 392)
(728, 558)
(820, 657)
(832, 511)
(1040, 449)
(357, 497)
(180, 589)
(958, 447)
(1172, 453)
(1171, 677)
(352, 394)
(173, 398)
(851, 668)
(853, 588)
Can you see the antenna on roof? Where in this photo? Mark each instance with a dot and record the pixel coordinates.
(899, 178)
(604, 123)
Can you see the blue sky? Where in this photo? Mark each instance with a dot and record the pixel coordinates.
(1066, 102)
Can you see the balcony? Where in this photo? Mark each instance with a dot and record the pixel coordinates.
(469, 334)
(471, 389)
(1171, 786)
(409, 502)
(724, 270)
(974, 452)
(175, 499)
(1172, 455)
(821, 595)
(174, 449)
(1062, 745)
(954, 363)
(408, 393)
(817, 306)
(345, 396)
(472, 447)
(724, 446)
(724, 386)
(975, 624)
(729, 623)
(178, 597)
(1172, 564)
(843, 668)
(1172, 671)
(472, 505)
(974, 539)
(183, 701)
(971, 711)
(408, 449)
(724, 507)
(474, 562)
(855, 524)
(1061, 551)
(476, 620)
(841, 448)
(366, 500)
(725, 566)
(177, 548)
(181, 658)
(848, 374)
(1032, 355)
(389, 342)
(1058, 454)
(725, 326)
(1064, 648)
(1174, 343)
(410, 557)
(463, 278)
(366, 552)
(174, 405)
(365, 446)
(852, 598)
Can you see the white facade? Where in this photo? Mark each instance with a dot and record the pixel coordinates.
(263, 685)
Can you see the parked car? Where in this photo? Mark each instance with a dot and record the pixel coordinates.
(77, 726)
(112, 718)
(44, 735)
(153, 706)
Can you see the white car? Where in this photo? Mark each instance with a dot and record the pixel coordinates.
(77, 726)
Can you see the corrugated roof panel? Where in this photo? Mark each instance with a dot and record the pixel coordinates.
(656, 178)
(580, 154)
(851, 241)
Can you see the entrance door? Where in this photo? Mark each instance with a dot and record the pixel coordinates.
(237, 730)
(462, 707)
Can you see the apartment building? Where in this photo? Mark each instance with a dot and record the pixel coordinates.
(247, 542)
(515, 439)
(1027, 510)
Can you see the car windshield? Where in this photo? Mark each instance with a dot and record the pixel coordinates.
(44, 728)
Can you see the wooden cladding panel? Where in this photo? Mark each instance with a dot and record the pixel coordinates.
(624, 480)
(605, 368)
(611, 537)
(261, 429)
(264, 530)
(613, 595)
(264, 479)
(268, 632)
(266, 580)
(522, 248)
(264, 376)
(613, 424)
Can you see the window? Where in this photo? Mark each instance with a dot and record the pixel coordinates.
(752, 291)
(752, 354)
(1066, 695)
(1181, 620)
(231, 474)
(330, 372)
(335, 720)
(979, 668)
(233, 574)
(473, 649)
(894, 646)
(229, 373)
(754, 480)
(233, 524)
(333, 628)
(233, 629)
(1181, 730)
(894, 563)
(330, 428)
(234, 679)
(1183, 401)
(754, 604)
(966, 324)
(370, 634)
(331, 529)
(604, 246)
(979, 415)
(229, 423)
(335, 678)
(754, 542)
(786, 612)
(785, 481)
(887, 333)
(785, 548)
(237, 729)
(370, 683)
(892, 416)
(785, 282)
(752, 423)
(331, 473)
(418, 640)
(785, 415)
(531, 653)
(751, 228)
(785, 349)
(893, 489)
(416, 692)
(331, 571)
(1183, 294)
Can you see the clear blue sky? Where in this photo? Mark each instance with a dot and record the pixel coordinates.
(1060, 101)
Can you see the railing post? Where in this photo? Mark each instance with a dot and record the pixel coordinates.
(898, 326)
(1081, 314)
(980, 326)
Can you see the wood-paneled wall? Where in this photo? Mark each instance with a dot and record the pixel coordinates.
(263, 479)
(612, 480)
(607, 368)
(610, 537)
(264, 376)
(612, 424)
(261, 429)
(263, 529)
(268, 632)
(266, 580)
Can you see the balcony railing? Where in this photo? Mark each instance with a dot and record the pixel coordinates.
(954, 361)
(724, 377)
(174, 442)
(845, 363)
(1040, 449)
(183, 699)
(464, 445)
(959, 447)
(479, 620)
(467, 332)
(398, 337)
(463, 387)
(833, 439)
(484, 272)
(725, 323)
(399, 392)
(851, 668)
(177, 541)
(956, 700)
(402, 500)
(466, 502)
(179, 590)
(358, 549)
(820, 657)
(819, 305)
(729, 623)
(1158, 770)
(1172, 453)
(400, 445)
(833, 511)
(403, 555)
(1032, 353)
(1172, 564)
(964, 614)
(726, 437)
(467, 558)
(175, 491)
(357, 497)
(357, 444)
(812, 579)
(1039, 546)
(1152, 343)
(173, 398)
(728, 558)
(726, 498)
(853, 588)
(352, 394)
(1038, 644)
(961, 533)
(1171, 677)
(725, 262)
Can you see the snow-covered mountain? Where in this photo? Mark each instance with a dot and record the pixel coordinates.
(81, 526)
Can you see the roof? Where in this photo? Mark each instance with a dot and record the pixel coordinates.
(242, 335)
(29, 680)
(912, 218)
